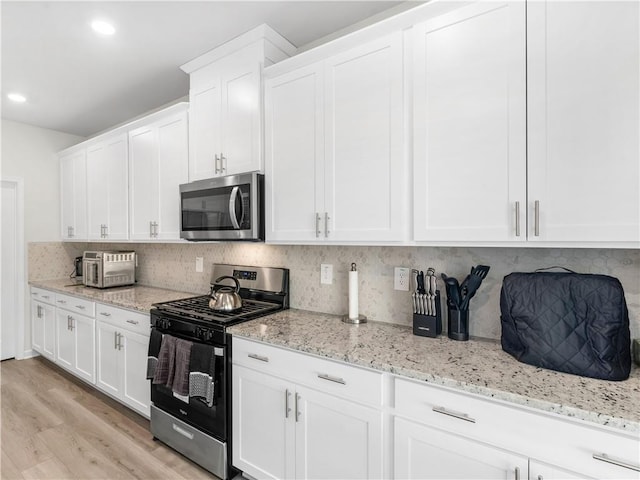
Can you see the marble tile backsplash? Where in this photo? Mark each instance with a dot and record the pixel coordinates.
(172, 266)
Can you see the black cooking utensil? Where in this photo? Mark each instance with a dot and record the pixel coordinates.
(420, 281)
(453, 290)
(478, 274)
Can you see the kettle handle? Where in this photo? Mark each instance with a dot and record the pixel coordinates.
(235, 280)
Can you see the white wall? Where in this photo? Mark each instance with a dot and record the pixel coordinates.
(29, 153)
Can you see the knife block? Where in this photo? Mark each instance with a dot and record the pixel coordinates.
(428, 325)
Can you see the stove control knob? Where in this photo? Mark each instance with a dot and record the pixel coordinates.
(164, 323)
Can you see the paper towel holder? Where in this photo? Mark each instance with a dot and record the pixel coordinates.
(353, 291)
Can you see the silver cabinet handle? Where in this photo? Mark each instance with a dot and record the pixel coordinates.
(105, 314)
(517, 473)
(317, 225)
(287, 409)
(35, 294)
(326, 224)
(45, 296)
(119, 341)
(297, 407)
(115, 340)
(155, 229)
(451, 413)
(215, 166)
(150, 228)
(39, 311)
(62, 301)
(517, 219)
(81, 307)
(69, 322)
(222, 159)
(258, 357)
(133, 322)
(536, 213)
(603, 457)
(328, 377)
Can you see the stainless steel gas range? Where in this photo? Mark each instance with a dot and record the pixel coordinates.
(195, 425)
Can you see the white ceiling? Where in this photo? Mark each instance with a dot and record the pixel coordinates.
(81, 83)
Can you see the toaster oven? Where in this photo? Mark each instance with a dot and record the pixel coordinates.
(108, 269)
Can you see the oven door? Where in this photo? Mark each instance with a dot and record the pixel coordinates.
(195, 412)
(224, 208)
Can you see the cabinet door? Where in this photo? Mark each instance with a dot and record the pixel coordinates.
(584, 121)
(37, 326)
(469, 124)
(204, 129)
(173, 168)
(109, 371)
(422, 452)
(365, 163)
(84, 345)
(107, 180)
(158, 164)
(49, 332)
(241, 111)
(336, 438)
(143, 175)
(65, 340)
(136, 392)
(543, 471)
(263, 425)
(294, 153)
(73, 194)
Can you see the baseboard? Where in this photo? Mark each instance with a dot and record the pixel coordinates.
(28, 354)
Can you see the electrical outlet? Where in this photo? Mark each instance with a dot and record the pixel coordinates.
(326, 274)
(401, 278)
(199, 264)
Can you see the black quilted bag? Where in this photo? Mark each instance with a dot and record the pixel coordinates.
(566, 321)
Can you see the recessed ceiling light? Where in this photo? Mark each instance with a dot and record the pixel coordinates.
(16, 97)
(102, 27)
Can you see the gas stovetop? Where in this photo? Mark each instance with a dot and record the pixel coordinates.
(263, 290)
(198, 308)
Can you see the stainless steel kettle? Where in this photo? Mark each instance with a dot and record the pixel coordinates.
(225, 298)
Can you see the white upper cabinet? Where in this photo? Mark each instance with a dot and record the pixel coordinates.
(107, 188)
(334, 152)
(225, 96)
(584, 121)
(158, 164)
(73, 188)
(469, 125)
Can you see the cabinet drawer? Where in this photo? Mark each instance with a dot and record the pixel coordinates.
(42, 295)
(546, 437)
(136, 322)
(75, 304)
(326, 375)
(454, 412)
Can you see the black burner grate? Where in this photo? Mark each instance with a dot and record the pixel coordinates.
(198, 307)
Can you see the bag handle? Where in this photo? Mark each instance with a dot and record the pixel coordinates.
(555, 266)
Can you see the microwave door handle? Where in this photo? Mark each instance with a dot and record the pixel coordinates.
(232, 210)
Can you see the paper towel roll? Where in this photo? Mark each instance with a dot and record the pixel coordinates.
(353, 295)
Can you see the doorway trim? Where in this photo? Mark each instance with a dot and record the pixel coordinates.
(18, 184)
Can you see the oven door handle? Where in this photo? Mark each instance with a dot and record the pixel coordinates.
(232, 208)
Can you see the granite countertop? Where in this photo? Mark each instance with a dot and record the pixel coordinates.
(134, 297)
(476, 366)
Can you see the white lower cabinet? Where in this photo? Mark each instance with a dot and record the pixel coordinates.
(43, 323)
(283, 428)
(122, 345)
(423, 452)
(75, 338)
(442, 433)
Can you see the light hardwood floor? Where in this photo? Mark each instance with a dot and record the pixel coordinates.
(54, 426)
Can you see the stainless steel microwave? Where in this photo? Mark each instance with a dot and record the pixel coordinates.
(223, 208)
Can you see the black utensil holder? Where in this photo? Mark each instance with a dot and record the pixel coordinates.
(428, 325)
(457, 323)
